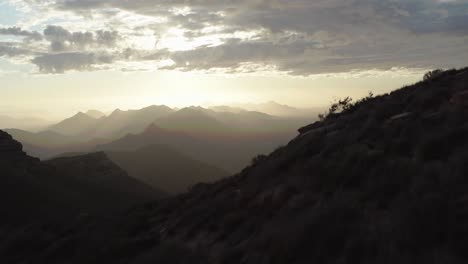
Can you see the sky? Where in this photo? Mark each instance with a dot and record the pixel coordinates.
(58, 57)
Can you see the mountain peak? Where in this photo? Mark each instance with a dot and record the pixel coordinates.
(81, 115)
(165, 107)
(116, 111)
(95, 113)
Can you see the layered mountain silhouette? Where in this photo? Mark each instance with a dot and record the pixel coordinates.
(160, 166)
(230, 139)
(47, 144)
(276, 109)
(230, 152)
(32, 191)
(119, 123)
(165, 168)
(383, 181)
(75, 125)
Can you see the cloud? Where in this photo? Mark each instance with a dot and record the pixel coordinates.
(17, 31)
(59, 63)
(11, 49)
(63, 40)
(298, 37)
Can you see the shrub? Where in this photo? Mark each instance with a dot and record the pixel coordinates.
(258, 159)
(432, 74)
(343, 105)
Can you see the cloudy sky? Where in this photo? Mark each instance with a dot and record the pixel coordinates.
(59, 56)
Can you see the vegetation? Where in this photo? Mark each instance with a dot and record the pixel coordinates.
(343, 105)
(258, 159)
(432, 74)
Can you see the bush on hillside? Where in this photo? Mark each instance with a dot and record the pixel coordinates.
(432, 74)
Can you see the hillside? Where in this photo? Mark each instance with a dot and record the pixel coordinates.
(384, 181)
(162, 167)
(31, 190)
(47, 144)
(228, 152)
(75, 125)
(46, 138)
(165, 169)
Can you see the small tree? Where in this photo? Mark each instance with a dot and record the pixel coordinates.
(258, 159)
(432, 74)
(343, 105)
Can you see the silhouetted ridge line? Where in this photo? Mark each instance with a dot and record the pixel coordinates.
(383, 181)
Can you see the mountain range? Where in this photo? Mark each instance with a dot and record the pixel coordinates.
(230, 139)
(228, 152)
(382, 180)
(275, 109)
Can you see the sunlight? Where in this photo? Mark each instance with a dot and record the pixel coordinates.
(146, 41)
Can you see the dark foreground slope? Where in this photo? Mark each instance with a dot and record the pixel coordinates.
(33, 191)
(383, 182)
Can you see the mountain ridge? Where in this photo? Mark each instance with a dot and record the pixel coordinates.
(380, 181)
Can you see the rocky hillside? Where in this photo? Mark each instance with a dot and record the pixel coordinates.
(384, 181)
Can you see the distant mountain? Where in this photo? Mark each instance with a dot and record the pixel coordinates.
(75, 125)
(47, 144)
(25, 123)
(238, 136)
(199, 120)
(165, 169)
(31, 190)
(226, 108)
(95, 113)
(103, 181)
(119, 123)
(44, 138)
(231, 152)
(95, 124)
(82, 132)
(380, 181)
(192, 120)
(276, 109)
